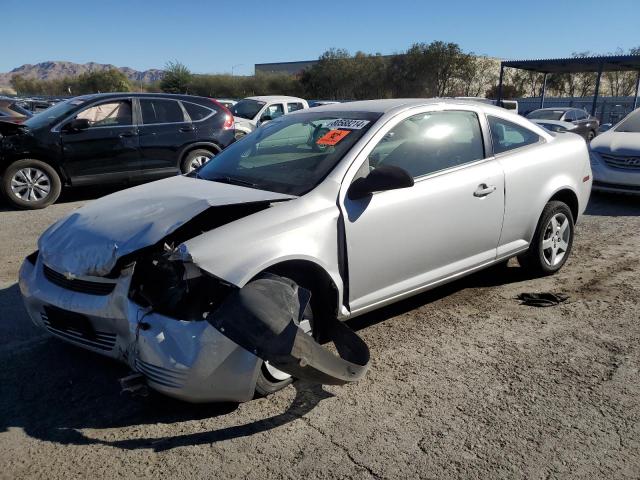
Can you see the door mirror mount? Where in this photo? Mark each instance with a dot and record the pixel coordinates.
(380, 179)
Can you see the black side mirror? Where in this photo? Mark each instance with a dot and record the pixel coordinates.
(77, 124)
(380, 179)
(266, 118)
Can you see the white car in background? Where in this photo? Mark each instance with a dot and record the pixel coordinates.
(249, 113)
(615, 157)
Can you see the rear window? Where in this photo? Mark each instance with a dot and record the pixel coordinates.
(161, 111)
(197, 112)
(292, 107)
(546, 115)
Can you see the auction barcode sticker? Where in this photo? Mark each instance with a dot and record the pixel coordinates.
(347, 123)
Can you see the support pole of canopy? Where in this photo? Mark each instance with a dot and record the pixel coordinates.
(597, 91)
(544, 90)
(500, 84)
(635, 99)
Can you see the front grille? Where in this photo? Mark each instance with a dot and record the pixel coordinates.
(616, 186)
(76, 285)
(621, 161)
(99, 340)
(163, 376)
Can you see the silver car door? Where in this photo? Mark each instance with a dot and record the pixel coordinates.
(404, 240)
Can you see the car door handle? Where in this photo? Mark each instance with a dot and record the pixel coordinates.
(483, 190)
(127, 134)
(186, 129)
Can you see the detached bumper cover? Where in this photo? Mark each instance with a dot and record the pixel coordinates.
(191, 361)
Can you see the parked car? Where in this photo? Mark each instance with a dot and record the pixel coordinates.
(615, 157)
(250, 112)
(322, 214)
(109, 138)
(11, 111)
(574, 120)
(226, 102)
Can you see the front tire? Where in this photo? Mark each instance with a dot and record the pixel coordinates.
(591, 135)
(552, 240)
(270, 379)
(30, 184)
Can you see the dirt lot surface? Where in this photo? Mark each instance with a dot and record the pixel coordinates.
(465, 382)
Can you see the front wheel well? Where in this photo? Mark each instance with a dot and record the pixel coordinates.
(568, 197)
(309, 275)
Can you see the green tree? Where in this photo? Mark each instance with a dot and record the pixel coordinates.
(176, 79)
(111, 80)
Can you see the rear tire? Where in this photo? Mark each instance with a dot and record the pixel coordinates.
(30, 184)
(552, 240)
(195, 159)
(591, 135)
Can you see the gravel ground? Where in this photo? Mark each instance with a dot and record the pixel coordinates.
(464, 382)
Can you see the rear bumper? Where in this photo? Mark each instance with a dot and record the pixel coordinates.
(191, 361)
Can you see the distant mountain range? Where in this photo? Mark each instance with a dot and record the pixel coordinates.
(57, 70)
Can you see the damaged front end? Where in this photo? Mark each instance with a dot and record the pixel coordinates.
(126, 278)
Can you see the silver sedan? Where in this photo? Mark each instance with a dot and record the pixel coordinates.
(223, 283)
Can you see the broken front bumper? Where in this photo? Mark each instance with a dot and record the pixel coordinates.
(191, 360)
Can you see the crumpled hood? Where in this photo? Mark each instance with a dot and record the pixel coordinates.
(89, 241)
(618, 143)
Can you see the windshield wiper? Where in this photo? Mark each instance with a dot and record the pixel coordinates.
(233, 181)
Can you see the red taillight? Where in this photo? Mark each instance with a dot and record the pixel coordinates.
(228, 119)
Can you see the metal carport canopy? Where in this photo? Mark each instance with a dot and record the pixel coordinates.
(614, 63)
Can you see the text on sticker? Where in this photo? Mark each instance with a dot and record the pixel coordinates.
(347, 123)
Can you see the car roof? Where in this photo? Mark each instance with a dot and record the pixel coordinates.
(387, 105)
(95, 96)
(275, 98)
(557, 109)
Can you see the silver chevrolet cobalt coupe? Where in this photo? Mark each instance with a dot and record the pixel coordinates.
(225, 282)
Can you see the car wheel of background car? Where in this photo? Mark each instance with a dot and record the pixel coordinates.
(552, 240)
(195, 159)
(591, 135)
(31, 184)
(270, 379)
(239, 134)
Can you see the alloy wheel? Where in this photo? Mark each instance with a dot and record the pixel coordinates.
(555, 241)
(30, 184)
(197, 162)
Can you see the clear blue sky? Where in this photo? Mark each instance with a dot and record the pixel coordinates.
(212, 36)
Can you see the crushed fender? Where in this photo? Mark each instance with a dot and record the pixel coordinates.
(263, 318)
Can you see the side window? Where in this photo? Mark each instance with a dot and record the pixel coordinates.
(116, 113)
(161, 111)
(508, 136)
(580, 114)
(570, 116)
(430, 142)
(197, 112)
(292, 107)
(274, 111)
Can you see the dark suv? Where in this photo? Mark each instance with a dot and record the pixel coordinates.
(109, 138)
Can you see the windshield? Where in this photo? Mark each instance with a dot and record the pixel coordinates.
(53, 113)
(631, 124)
(289, 155)
(545, 115)
(247, 108)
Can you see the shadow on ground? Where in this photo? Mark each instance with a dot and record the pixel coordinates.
(613, 205)
(53, 391)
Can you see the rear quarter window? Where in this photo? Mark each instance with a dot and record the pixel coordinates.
(507, 136)
(197, 112)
